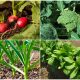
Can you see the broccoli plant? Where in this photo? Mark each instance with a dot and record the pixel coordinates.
(63, 20)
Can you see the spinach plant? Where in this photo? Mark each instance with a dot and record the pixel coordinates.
(62, 55)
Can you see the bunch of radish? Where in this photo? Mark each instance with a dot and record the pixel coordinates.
(21, 23)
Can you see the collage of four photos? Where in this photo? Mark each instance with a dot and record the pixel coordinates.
(39, 39)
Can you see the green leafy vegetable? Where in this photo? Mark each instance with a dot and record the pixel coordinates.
(62, 55)
(68, 19)
(64, 18)
(60, 5)
(49, 30)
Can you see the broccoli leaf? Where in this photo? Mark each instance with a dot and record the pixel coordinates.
(68, 19)
(48, 31)
(74, 36)
(60, 5)
(46, 11)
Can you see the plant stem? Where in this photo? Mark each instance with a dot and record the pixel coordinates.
(2, 17)
(25, 73)
(13, 72)
(74, 7)
(14, 11)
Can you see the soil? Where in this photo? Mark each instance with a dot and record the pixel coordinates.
(47, 73)
(6, 8)
(6, 72)
(44, 71)
(75, 43)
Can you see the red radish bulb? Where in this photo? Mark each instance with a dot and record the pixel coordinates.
(3, 27)
(22, 22)
(12, 18)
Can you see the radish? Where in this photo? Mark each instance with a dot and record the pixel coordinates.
(3, 27)
(22, 22)
(12, 18)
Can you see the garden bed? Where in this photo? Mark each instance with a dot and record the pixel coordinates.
(48, 73)
(19, 59)
(6, 73)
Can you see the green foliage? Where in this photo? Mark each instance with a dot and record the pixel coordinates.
(74, 36)
(68, 19)
(49, 30)
(67, 56)
(64, 18)
(18, 51)
(46, 11)
(60, 5)
(23, 6)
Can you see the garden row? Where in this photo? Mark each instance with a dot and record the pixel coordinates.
(19, 58)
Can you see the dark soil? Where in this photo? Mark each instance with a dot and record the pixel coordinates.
(48, 73)
(6, 8)
(6, 72)
(44, 71)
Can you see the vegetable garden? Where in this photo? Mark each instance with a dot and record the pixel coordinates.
(23, 56)
(60, 20)
(19, 59)
(61, 58)
(19, 19)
